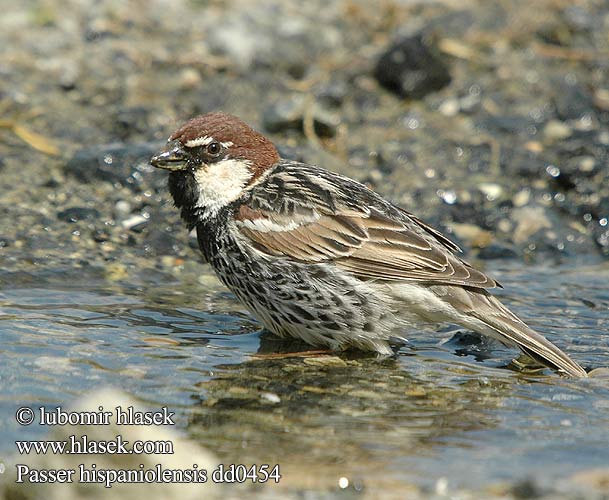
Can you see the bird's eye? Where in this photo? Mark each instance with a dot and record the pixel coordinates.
(214, 148)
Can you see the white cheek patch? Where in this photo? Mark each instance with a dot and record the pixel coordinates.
(221, 183)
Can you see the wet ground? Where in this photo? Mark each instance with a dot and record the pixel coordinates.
(489, 120)
(446, 414)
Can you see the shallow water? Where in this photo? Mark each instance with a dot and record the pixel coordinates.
(445, 407)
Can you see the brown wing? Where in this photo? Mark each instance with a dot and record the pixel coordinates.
(366, 242)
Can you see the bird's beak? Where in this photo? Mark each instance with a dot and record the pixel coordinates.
(171, 157)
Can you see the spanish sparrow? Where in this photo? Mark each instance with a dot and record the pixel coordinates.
(320, 257)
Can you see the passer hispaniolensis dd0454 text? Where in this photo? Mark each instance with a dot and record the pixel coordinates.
(320, 257)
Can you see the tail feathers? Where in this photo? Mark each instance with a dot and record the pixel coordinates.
(539, 348)
(509, 329)
(479, 310)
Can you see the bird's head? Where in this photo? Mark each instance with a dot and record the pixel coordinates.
(212, 159)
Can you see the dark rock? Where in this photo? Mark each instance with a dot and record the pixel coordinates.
(497, 251)
(100, 235)
(131, 120)
(522, 163)
(125, 164)
(572, 101)
(560, 179)
(162, 242)
(527, 488)
(502, 124)
(412, 68)
(76, 214)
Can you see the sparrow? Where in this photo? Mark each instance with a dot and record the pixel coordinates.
(320, 257)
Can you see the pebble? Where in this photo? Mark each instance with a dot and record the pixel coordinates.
(76, 214)
(474, 235)
(522, 198)
(270, 397)
(556, 130)
(118, 164)
(529, 220)
(449, 108)
(490, 190)
(329, 361)
(122, 208)
(135, 222)
(189, 78)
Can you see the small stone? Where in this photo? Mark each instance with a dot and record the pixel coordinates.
(76, 214)
(135, 223)
(123, 164)
(474, 235)
(412, 68)
(328, 361)
(116, 272)
(450, 107)
(522, 198)
(504, 225)
(497, 251)
(490, 190)
(122, 208)
(469, 104)
(169, 261)
(534, 146)
(529, 220)
(189, 78)
(527, 488)
(556, 130)
(586, 164)
(100, 236)
(601, 99)
(270, 397)
(365, 394)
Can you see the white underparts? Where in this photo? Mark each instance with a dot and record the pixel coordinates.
(221, 183)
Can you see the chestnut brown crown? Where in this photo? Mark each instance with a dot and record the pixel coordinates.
(213, 137)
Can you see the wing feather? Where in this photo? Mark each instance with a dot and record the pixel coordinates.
(351, 227)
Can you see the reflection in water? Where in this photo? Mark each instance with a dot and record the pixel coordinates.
(445, 406)
(324, 416)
